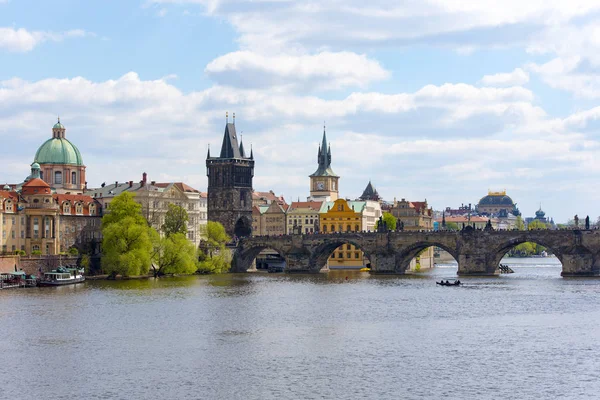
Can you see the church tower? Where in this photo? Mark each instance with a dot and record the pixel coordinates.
(324, 182)
(230, 185)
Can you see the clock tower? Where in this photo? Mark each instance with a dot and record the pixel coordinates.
(324, 182)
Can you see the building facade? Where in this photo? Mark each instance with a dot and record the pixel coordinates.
(303, 217)
(495, 203)
(37, 221)
(230, 185)
(413, 215)
(343, 216)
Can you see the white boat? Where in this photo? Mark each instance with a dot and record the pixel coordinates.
(62, 276)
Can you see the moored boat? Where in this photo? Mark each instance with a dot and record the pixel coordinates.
(448, 283)
(62, 276)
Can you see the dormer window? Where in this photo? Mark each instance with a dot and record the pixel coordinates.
(66, 208)
(79, 209)
(92, 209)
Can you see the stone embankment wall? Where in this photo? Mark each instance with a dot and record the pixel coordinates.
(33, 265)
(7, 263)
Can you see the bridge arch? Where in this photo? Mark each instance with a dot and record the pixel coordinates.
(244, 257)
(322, 253)
(406, 254)
(554, 247)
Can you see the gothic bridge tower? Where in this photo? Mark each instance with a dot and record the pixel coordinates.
(230, 184)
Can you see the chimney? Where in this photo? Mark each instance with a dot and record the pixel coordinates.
(116, 183)
(144, 178)
(130, 183)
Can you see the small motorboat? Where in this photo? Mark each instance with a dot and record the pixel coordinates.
(365, 269)
(448, 283)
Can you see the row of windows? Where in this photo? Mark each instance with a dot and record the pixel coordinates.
(341, 228)
(347, 255)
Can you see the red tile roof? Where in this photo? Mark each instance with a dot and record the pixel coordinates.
(313, 205)
(36, 182)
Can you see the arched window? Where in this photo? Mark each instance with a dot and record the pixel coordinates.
(92, 209)
(356, 228)
(74, 177)
(324, 228)
(332, 228)
(79, 208)
(67, 208)
(348, 229)
(57, 177)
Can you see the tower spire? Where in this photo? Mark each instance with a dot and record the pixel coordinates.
(208, 154)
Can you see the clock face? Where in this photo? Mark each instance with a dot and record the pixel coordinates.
(320, 185)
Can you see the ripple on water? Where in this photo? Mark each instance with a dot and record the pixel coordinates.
(527, 335)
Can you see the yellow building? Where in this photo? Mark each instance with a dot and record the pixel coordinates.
(343, 216)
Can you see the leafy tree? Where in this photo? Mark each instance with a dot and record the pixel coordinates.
(389, 220)
(172, 254)
(123, 206)
(519, 224)
(214, 256)
(126, 242)
(85, 263)
(176, 220)
(452, 226)
(536, 224)
(73, 251)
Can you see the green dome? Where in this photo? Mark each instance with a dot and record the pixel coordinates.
(35, 166)
(58, 151)
(58, 125)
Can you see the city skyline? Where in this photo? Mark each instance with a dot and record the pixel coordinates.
(443, 111)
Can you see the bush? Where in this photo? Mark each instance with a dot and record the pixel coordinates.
(73, 251)
(20, 253)
(36, 253)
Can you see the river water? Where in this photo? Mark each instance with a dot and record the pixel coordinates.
(342, 335)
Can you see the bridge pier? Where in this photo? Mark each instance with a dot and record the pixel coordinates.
(383, 263)
(476, 264)
(578, 264)
(298, 263)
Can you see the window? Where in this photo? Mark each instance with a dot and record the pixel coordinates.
(12, 234)
(22, 234)
(36, 228)
(324, 228)
(348, 247)
(348, 229)
(357, 255)
(332, 228)
(79, 208)
(348, 255)
(333, 255)
(58, 177)
(92, 209)
(74, 178)
(67, 208)
(356, 228)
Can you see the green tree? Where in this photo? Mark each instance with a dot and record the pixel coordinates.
(452, 226)
(126, 242)
(389, 220)
(172, 254)
(85, 263)
(176, 220)
(519, 224)
(214, 256)
(536, 224)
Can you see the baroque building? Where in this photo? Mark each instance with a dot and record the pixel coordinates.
(230, 185)
(61, 164)
(35, 220)
(303, 217)
(497, 203)
(324, 182)
(343, 216)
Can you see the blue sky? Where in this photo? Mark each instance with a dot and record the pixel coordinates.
(435, 99)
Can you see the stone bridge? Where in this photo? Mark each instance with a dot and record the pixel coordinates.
(477, 252)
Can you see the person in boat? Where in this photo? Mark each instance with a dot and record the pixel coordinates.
(457, 282)
(447, 282)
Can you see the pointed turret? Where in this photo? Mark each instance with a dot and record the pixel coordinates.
(370, 193)
(242, 153)
(324, 159)
(251, 152)
(208, 153)
(230, 147)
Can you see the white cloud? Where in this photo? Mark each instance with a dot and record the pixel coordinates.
(517, 77)
(324, 70)
(22, 40)
(454, 135)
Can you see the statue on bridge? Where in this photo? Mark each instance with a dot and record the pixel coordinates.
(488, 226)
(587, 222)
(576, 220)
